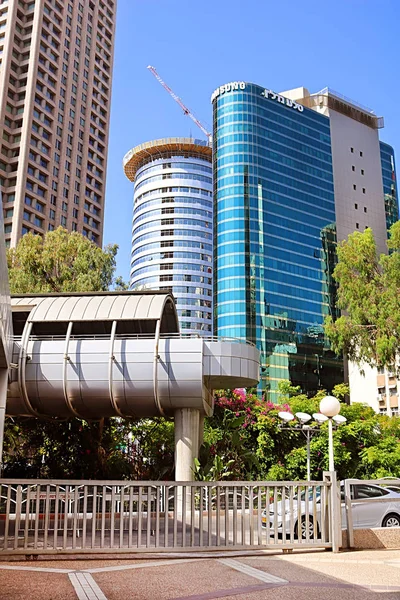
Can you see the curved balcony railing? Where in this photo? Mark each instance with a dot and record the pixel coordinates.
(133, 336)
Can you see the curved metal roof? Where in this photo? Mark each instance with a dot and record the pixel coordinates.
(96, 307)
(138, 156)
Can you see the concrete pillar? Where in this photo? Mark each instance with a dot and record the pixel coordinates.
(187, 438)
(201, 433)
(3, 400)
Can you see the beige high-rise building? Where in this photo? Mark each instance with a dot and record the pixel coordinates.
(56, 59)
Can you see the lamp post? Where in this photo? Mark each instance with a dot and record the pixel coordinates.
(330, 409)
(307, 430)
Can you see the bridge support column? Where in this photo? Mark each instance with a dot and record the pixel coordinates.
(188, 437)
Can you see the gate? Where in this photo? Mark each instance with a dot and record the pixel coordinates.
(49, 517)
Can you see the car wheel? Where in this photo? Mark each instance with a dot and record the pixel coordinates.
(303, 526)
(391, 520)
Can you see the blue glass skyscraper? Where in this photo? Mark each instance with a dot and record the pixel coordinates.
(274, 233)
(389, 184)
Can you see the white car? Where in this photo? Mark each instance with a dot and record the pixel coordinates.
(374, 513)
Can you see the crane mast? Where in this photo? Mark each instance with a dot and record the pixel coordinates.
(185, 109)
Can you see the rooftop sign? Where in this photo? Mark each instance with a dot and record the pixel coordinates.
(282, 100)
(228, 87)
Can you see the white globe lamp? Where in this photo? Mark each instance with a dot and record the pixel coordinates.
(330, 407)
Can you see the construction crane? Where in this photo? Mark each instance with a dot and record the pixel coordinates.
(185, 109)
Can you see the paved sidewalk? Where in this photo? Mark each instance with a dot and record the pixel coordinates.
(302, 575)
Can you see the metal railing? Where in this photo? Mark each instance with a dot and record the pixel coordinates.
(132, 336)
(45, 516)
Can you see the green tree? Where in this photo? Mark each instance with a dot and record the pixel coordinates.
(369, 296)
(60, 262)
(243, 439)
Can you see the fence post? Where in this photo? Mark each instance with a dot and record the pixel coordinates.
(334, 511)
(349, 514)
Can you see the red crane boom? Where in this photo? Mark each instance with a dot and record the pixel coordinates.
(185, 109)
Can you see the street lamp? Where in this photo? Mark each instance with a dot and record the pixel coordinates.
(330, 409)
(307, 430)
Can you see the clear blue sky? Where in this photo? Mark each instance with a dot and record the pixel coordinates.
(351, 46)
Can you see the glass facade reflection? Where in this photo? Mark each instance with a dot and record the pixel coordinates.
(389, 184)
(172, 226)
(274, 234)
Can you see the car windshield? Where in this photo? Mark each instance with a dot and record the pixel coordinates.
(312, 494)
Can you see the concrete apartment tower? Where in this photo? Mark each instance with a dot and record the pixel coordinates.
(55, 91)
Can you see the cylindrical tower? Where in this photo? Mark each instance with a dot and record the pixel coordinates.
(172, 225)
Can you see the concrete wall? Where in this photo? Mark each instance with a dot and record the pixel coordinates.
(346, 133)
(373, 539)
(363, 388)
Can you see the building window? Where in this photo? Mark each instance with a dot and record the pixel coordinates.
(354, 186)
(356, 206)
(351, 149)
(363, 190)
(357, 226)
(365, 209)
(362, 171)
(353, 168)
(361, 153)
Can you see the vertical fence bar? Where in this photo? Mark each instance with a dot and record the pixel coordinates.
(234, 517)
(139, 511)
(74, 517)
(157, 540)
(175, 535)
(56, 512)
(307, 511)
(37, 516)
(66, 502)
(84, 515)
(291, 508)
(315, 515)
(227, 531)
(130, 516)
(94, 516)
(275, 514)
(18, 509)
(267, 515)
(251, 515)
(209, 516)
(112, 516)
(201, 509)
(121, 516)
(7, 523)
(349, 514)
(243, 515)
(218, 516)
(103, 515)
(27, 512)
(259, 510)
(148, 536)
(166, 509)
(323, 512)
(299, 514)
(184, 507)
(193, 492)
(283, 512)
